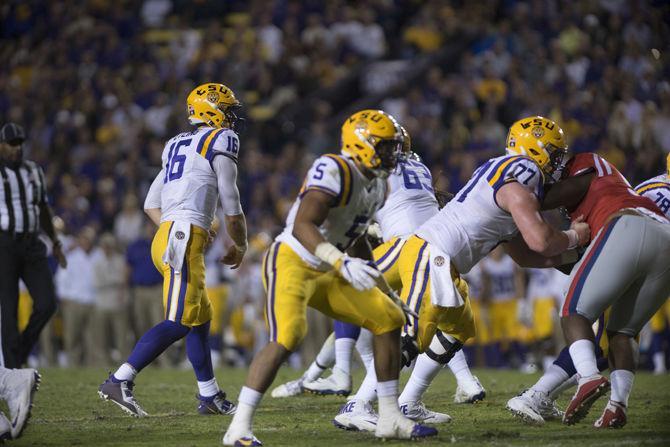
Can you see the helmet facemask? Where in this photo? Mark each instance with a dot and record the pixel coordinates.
(555, 164)
(387, 154)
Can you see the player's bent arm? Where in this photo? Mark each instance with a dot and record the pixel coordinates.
(568, 192)
(235, 221)
(525, 210)
(152, 203)
(527, 258)
(312, 213)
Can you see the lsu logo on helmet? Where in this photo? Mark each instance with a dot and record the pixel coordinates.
(213, 104)
(374, 139)
(540, 139)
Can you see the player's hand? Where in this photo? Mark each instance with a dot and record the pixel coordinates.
(210, 238)
(582, 229)
(234, 256)
(59, 255)
(359, 273)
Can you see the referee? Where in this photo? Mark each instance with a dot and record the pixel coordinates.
(24, 211)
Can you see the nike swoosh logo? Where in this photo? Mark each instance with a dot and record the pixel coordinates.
(16, 419)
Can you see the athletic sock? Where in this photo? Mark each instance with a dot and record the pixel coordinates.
(198, 353)
(125, 372)
(365, 348)
(584, 357)
(387, 393)
(564, 361)
(460, 369)
(246, 406)
(344, 349)
(423, 374)
(622, 384)
(208, 388)
(568, 383)
(552, 378)
(368, 389)
(324, 359)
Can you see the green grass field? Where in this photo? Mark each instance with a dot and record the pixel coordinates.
(68, 412)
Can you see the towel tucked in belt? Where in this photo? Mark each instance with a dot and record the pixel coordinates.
(178, 238)
(443, 291)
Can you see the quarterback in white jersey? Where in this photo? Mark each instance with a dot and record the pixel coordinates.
(307, 265)
(199, 168)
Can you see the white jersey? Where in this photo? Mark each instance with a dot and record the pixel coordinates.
(356, 200)
(544, 283)
(410, 202)
(474, 280)
(658, 190)
(189, 191)
(472, 223)
(501, 274)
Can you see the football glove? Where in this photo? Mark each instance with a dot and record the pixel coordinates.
(360, 274)
(409, 349)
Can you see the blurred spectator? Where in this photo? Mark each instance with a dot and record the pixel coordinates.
(78, 300)
(128, 223)
(111, 299)
(146, 283)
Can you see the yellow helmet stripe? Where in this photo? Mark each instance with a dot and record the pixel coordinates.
(645, 188)
(346, 179)
(208, 140)
(499, 170)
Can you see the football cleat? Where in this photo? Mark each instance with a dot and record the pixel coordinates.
(400, 427)
(614, 416)
(418, 412)
(5, 428)
(526, 406)
(338, 383)
(588, 391)
(121, 393)
(288, 389)
(356, 415)
(216, 404)
(469, 392)
(247, 440)
(19, 388)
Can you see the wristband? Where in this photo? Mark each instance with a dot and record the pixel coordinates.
(328, 253)
(573, 238)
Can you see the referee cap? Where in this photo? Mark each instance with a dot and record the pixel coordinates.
(12, 133)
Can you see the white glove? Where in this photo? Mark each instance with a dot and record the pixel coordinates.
(359, 273)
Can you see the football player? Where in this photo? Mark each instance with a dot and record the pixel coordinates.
(307, 265)
(537, 404)
(500, 204)
(619, 270)
(199, 168)
(658, 190)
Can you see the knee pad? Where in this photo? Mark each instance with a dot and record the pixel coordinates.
(409, 349)
(442, 349)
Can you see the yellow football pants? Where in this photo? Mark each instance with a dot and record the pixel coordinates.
(292, 285)
(543, 318)
(504, 323)
(482, 323)
(184, 295)
(661, 318)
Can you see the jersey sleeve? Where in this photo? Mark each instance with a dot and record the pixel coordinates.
(658, 192)
(521, 170)
(224, 142)
(332, 175)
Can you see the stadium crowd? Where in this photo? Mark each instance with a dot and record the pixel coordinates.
(101, 85)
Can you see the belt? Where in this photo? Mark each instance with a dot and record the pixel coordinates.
(18, 235)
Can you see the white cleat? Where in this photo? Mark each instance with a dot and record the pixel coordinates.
(400, 427)
(356, 415)
(534, 407)
(288, 389)
(241, 439)
(469, 392)
(338, 383)
(5, 428)
(418, 412)
(20, 386)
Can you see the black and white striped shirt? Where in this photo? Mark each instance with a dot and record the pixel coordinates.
(22, 191)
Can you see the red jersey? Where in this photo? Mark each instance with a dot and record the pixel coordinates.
(608, 193)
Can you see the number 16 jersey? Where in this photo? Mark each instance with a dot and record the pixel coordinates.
(189, 190)
(472, 223)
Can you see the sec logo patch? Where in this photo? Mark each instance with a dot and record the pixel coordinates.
(439, 261)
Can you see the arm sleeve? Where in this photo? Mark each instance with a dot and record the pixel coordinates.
(225, 169)
(153, 199)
